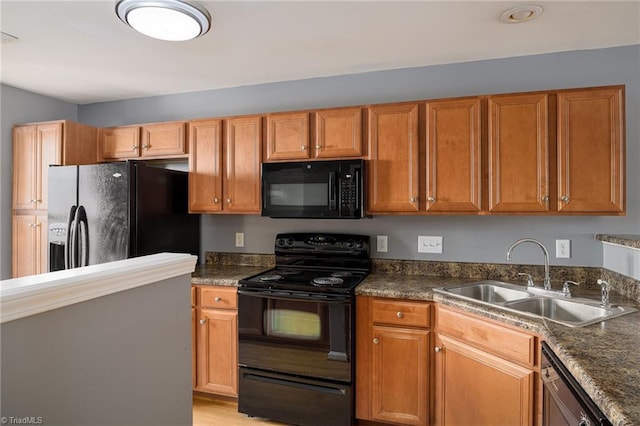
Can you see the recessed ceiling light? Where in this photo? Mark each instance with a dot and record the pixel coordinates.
(172, 20)
(519, 14)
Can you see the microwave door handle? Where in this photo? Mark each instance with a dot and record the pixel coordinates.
(358, 189)
(333, 190)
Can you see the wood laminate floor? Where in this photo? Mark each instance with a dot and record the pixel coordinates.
(214, 412)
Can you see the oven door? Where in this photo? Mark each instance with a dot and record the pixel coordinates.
(296, 333)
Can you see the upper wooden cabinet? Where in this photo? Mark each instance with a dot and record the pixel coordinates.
(287, 136)
(518, 155)
(225, 177)
(159, 140)
(591, 151)
(453, 176)
(36, 147)
(337, 133)
(392, 174)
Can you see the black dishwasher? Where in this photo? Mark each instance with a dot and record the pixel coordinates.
(564, 400)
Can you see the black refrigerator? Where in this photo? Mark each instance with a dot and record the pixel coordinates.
(104, 212)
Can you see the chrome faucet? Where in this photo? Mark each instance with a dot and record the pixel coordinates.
(547, 278)
(605, 293)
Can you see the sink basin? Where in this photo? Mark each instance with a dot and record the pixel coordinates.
(550, 305)
(489, 291)
(567, 312)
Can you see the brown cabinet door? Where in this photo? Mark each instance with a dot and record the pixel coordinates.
(400, 375)
(218, 351)
(24, 167)
(119, 142)
(29, 249)
(205, 166)
(519, 153)
(49, 152)
(194, 346)
(591, 152)
(163, 139)
(287, 136)
(393, 169)
(476, 388)
(243, 154)
(338, 133)
(453, 177)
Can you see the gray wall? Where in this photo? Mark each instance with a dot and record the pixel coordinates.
(19, 106)
(121, 359)
(466, 238)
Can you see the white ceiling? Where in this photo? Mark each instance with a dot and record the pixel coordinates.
(79, 51)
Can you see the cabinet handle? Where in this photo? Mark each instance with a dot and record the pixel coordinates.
(438, 349)
(33, 200)
(431, 199)
(303, 147)
(565, 198)
(216, 200)
(400, 315)
(33, 225)
(545, 198)
(203, 322)
(145, 146)
(133, 148)
(413, 199)
(318, 146)
(217, 299)
(229, 200)
(376, 341)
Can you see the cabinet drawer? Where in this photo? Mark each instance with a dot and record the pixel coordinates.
(219, 297)
(494, 338)
(401, 312)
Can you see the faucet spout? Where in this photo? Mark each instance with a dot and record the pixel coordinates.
(547, 278)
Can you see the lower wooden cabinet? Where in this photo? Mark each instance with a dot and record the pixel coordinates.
(393, 357)
(485, 373)
(216, 340)
(29, 245)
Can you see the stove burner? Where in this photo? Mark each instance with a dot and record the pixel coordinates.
(328, 281)
(342, 274)
(272, 277)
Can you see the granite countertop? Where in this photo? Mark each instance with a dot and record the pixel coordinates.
(604, 357)
(627, 240)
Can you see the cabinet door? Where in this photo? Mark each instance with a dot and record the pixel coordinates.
(243, 154)
(400, 375)
(24, 167)
(453, 156)
(119, 142)
(29, 245)
(476, 388)
(338, 133)
(393, 169)
(49, 152)
(287, 136)
(591, 153)
(194, 346)
(519, 153)
(163, 139)
(218, 351)
(205, 166)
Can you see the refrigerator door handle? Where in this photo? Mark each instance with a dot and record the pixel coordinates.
(68, 248)
(83, 255)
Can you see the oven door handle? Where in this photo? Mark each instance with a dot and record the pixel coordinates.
(291, 295)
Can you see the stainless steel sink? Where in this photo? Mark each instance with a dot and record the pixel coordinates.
(554, 307)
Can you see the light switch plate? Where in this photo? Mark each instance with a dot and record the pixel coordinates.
(381, 246)
(429, 244)
(239, 239)
(563, 249)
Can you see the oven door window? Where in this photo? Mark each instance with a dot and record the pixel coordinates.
(288, 321)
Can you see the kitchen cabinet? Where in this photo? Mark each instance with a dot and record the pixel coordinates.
(591, 151)
(29, 245)
(158, 140)
(518, 153)
(453, 162)
(392, 174)
(36, 146)
(393, 365)
(337, 133)
(287, 136)
(217, 340)
(225, 177)
(484, 371)
(194, 337)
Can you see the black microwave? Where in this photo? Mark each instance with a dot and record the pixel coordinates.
(331, 189)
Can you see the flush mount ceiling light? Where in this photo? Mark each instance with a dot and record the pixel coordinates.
(519, 14)
(172, 20)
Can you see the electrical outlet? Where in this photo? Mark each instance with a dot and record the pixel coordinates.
(429, 244)
(382, 246)
(239, 239)
(563, 249)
